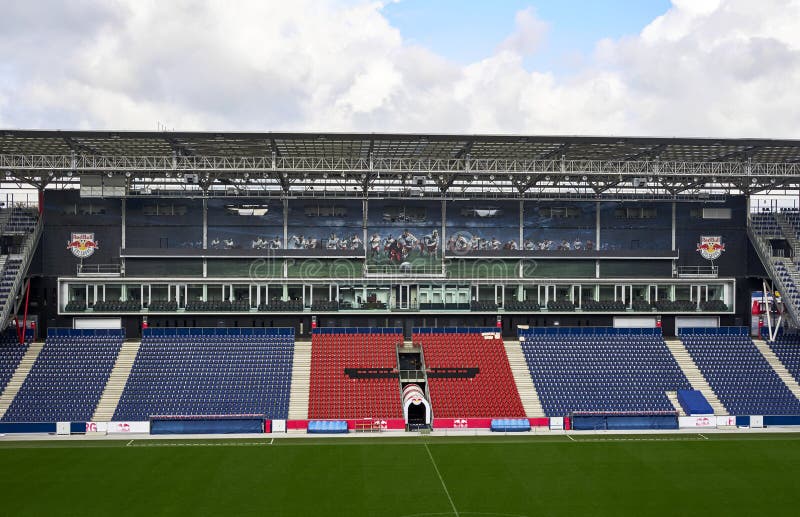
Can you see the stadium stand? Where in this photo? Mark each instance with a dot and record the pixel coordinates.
(10, 270)
(787, 348)
(68, 377)
(11, 352)
(336, 395)
(740, 376)
(525, 306)
(560, 305)
(599, 369)
(491, 392)
(764, 223)
(210, 372)
(603, 306)
(20, 220)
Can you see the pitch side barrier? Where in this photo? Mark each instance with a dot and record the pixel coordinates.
(625, 420)
(207, 424)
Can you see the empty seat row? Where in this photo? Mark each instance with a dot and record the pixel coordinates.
(66, 380)
(743, 380)
(492, 392)
(601, 373)
(209, 375)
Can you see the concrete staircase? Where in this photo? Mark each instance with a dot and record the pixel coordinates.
(116, 382)
(522, 378)
(673, 398)
(778, 366)
(694, 375)
(21, 373)
(301, 381)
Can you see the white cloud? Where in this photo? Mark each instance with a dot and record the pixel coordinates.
(704, 68)
(529, 32)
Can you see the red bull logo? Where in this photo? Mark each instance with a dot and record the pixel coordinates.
(710, 248)
(82, 245)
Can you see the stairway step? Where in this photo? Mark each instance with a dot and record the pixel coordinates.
(522, 379)
(694, 375)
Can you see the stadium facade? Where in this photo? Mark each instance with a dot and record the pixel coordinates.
(294, 229)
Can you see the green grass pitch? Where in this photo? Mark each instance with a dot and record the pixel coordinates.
(586, 475)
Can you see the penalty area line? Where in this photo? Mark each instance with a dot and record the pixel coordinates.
(129, 443)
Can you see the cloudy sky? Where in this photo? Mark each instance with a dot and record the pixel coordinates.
(728, 68)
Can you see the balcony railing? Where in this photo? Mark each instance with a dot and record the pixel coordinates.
(698, 271)
(98, 269)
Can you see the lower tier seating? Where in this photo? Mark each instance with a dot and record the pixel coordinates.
(209, 375)
(787, 348)
(334, 394)
(602, 373)
(66, 380)
(11, 353)
(741, 377)
(492, 392)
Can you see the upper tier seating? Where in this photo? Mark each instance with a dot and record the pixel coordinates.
(601, 373)
(66, 380)
(217, 306)
(740, 376)
(603, 306)
(785, 271)
(21, 220)
(482, 306)
(491, 393)
(210, 375)
(560, 305)
(117, 306)
(764, 223)
(523, 306)
(281, 306)
(333, 394)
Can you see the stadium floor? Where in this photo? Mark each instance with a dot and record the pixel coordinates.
(575, 474)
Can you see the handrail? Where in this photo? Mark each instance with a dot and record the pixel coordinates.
(27, 256)
(696, 271)
(765, 254)
(95, 269)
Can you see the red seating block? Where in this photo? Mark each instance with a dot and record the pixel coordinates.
(491, 393)
(334, 395)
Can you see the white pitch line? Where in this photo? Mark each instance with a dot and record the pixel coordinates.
(571, 438)
(441, 479)
(272, 440)
(702, 436)
(128, 444)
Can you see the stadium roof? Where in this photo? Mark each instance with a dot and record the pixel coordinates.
(354, 164)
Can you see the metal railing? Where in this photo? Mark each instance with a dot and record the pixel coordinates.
(28, 249)
(764, 252)
(697, 271)
(412, 375)
(403, 270)
(98, 269)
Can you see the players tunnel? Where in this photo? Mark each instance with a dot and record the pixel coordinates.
(416, 408)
